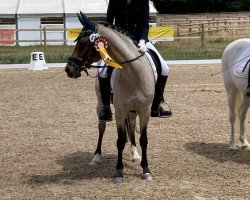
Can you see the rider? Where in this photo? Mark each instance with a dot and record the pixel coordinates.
(133, 16)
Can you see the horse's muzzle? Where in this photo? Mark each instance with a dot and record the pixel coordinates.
(72, 72)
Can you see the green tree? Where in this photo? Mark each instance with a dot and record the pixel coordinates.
(240, 5)
(196, 6)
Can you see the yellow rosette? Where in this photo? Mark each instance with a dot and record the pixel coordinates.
(101, 45)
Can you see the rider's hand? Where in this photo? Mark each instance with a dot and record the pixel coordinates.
(142, 46)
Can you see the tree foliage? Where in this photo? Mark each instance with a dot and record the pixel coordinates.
(199, 6)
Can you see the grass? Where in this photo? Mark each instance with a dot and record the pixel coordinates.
(177, 50)
(192, 50)
(21, 55)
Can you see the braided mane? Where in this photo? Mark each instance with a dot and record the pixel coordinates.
(118, 29)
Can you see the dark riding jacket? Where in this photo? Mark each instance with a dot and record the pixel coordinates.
(132, 17)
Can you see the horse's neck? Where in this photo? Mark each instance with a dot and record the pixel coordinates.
(136, 77)
(121, 48)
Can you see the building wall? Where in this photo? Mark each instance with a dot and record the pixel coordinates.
(54, 35)
(71, 23)
(29, 23)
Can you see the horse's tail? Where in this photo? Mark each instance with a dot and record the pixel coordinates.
(127, 129)
(130, 125)
(238, 103)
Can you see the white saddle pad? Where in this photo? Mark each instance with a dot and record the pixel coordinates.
(242, 64)
(152, 64)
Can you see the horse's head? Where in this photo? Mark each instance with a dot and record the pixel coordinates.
(84, 52)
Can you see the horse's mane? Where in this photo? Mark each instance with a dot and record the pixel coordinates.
(120, 39)
(119, 29)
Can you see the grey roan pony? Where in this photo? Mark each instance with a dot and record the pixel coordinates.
(235, 66)
(133, 88)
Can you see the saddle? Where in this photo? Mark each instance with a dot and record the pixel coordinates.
(242, 64)
(155, 65)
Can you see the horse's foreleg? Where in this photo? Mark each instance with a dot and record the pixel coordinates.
(98, 152)
(118, 177)
(232, 143)
(101, 127)
(144, 162)
(243, 123)
(231, 98)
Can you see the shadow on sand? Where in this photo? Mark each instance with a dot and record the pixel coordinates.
(219, 152)
(76, 167)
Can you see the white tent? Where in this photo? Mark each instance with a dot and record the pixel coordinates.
(55, 7)
(55, 14)
(89, 7)
(8, 8)
(42, 7)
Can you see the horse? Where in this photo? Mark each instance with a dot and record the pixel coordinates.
(133, 88)
(235, 67)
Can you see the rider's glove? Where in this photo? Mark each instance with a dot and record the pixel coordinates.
(142, 46)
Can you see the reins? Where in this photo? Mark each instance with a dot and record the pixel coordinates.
(78, 63)
(88, 66)
(83, 65)
(233, 65)
(128, 61)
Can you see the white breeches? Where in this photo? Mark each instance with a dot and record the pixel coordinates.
(103, 72)
(164, 67)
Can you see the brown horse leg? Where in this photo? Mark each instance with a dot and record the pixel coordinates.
(98, 152)
(118, 177)
(144, 163)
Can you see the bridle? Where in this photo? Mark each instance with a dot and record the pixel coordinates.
(84, 64)
(81, 64)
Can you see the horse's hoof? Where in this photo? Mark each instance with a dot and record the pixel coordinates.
(94, 163)
(147, 177)
(233, 147)
(117, 180)
(96, 160)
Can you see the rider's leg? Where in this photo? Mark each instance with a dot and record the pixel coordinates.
(105, 113)
(157, 110)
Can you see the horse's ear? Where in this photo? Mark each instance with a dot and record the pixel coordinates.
(87, 24)
(81, 20)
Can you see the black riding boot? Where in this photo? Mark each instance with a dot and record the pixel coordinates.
(105, 113)
(156, 109)
(248, 85)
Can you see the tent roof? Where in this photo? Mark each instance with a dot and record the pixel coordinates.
(36, 7)
(40, 7)
(86, 6)
(9, 7)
